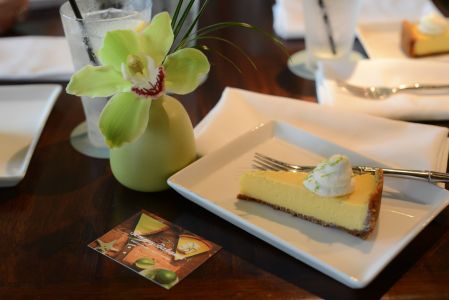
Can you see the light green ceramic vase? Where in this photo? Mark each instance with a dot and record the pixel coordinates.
(167, 145)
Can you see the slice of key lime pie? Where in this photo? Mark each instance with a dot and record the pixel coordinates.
(429, 36)
(330, 195)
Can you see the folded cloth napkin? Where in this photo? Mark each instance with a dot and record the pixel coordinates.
(35, 58)
(288, 18)
(395, 143)
(430, 105)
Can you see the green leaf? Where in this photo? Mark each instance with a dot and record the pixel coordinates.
(124, 118)
(205, 48)
(117, 45)
(222, 25)
(184, 70)
(176, 13)
(100, 81)
(185, 13)
(187, 34)
(234, 45)
(158, 37)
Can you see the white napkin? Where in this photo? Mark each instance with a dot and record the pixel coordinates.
(395, 143)
(386, 72)
(35, 58)
(288, 18)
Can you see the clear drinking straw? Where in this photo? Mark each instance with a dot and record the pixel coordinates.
(327, 26)
(86, 40)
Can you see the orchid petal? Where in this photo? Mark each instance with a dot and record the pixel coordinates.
(117, 45)
(185, 69)
(124, 118)
(158, 37)
(100, 81)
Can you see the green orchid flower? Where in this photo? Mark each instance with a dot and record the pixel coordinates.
(136, 68)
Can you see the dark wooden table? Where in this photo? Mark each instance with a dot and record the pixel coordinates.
(66, 200)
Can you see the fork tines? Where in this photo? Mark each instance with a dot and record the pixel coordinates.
(264, 162)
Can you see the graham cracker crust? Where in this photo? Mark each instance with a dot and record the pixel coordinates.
(407, 38)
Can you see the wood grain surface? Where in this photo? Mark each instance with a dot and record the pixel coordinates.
(67, 200)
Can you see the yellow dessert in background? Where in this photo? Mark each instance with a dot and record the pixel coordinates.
(429, 36)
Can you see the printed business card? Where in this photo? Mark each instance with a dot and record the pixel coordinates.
(155, 248)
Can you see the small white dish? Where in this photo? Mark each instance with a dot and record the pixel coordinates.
(213, 183)
(35, 58)
(297, 64)
(24, 109)
(383, 40)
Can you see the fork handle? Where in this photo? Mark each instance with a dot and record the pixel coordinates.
(419, 86)
(430, 176)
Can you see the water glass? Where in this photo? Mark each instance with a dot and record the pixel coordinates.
(85, 38)
(329, 29)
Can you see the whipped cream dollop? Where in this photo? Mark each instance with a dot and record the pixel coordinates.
(433, 24)
(332, 177)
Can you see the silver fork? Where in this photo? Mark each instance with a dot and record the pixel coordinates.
(263, 162)
(382, 92)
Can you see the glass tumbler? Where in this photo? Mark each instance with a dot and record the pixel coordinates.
(329, 29)
(85, 38)
(329, 34)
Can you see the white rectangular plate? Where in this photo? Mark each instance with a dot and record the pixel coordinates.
(213, 183)
(24, 109)
(383, 40)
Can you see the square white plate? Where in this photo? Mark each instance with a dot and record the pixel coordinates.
(24, 109)
(213, 183)
(383, 40)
